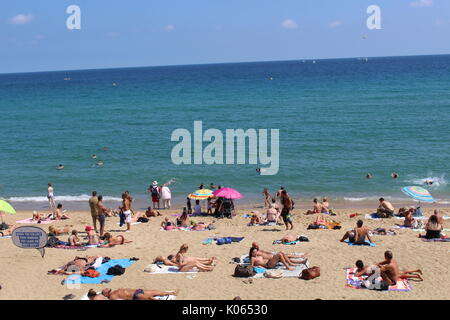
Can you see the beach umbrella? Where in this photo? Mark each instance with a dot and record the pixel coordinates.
(227, 193)
(418, 193)
(5, 207)
(201, 194)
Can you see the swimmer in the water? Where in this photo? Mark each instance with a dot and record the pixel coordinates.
(369, 176)
(429, 182)
(258, 170)
(94, 156)
(394, 175)
(100, 163)
(60, 167)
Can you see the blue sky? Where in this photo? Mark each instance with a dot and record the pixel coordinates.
(34, 37)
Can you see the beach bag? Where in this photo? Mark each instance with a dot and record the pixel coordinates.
(52, 242)
(310, 273)
(116, 270)
(142, 219)
(275, 274)
(243, 271)
(303, 239)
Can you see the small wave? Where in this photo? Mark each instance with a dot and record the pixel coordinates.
(437, 181)
(83, 197)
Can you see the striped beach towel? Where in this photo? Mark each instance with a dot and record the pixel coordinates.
(356, 282)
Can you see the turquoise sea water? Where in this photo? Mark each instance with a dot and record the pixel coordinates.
(338, 120)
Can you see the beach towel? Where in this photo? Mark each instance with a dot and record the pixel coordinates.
(356, 282)
(366, 243)
(183, 229)
(133, 223)
(31, 221)
(416, 218)
(436, 240)
(286, 273)
(163, 269)
(262, 224)
(373, 216)
(286, 243)
(102, 269)
(69, 247)
(171, 297)
(5, 237)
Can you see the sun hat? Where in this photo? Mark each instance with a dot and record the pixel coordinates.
(155, 183)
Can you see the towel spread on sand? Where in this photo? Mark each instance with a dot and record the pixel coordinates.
(31, 221)
(356, 282)
(183, 229)
(436, 240)
(69, 247)
(133, 223)
(223, 240)
(286, 243)
(262, 224)
(365, 244)
(171, 297)
(102, 269)
(5, 237)
(286, 273)
(163, 269)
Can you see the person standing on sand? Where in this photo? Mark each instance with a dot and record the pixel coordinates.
(166, 196)
(267, 197)
(286, 201)
(155, 191)
(94, 212)
(102, 213)
(51, 197)
(126, 205)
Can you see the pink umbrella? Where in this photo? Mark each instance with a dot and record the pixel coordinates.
(227, 193)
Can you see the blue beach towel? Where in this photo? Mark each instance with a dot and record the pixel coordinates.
(366, 243)
(103, 269)
(227, 240)
(259, 269)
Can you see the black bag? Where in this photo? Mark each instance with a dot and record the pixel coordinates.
(52, 242)
(3, 226)
(116, 270)
(303, 239)
(243, 271)
(142, 219)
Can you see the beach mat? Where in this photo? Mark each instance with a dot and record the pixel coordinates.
(133, 223)
(171, 297)
(68, 247)
(365, 244)
(103, 269)
(436, 240)
(163, 269)
(270, 224)
(31, 221)
(356, 282)
(286, 243)
(286, 273)
(5, 237)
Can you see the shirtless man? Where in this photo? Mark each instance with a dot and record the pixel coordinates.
(316, 209)
(136, 294)
(287, 207)
(357, 235)
(292, 258)
(258, 260)
(385, 209)
(409, 219)
(151, 213)
(92, 295)
(103, 212)
(8, 232)
(267, 197)
(361, 269)
(390, 271)
(126, 208)
(440, 219)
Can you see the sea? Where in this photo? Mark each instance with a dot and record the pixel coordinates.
(338, 119)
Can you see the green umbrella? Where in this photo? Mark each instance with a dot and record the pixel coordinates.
(5, 207)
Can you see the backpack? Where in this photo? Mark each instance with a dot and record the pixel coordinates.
(52, 242)
(310, 273)
(155, 192)
(117, 270)
(243, 271)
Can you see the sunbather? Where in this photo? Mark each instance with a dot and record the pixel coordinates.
(8, 232)
(76, 266)
(362, 270)
(135, 294)
(167, 224)
(74, 240)
(357, 235)
(111, 241)
(39, 216)
(186, 263)
(59, 231)
(317, 207)
(92, 295)
(256, 219)
(385, 209)
(433, 228)
(390, 271)
(58, 214)
(257, 260)
(440, 219)
(151, 213)
(292, 258)
(169, 261)
(93, 237)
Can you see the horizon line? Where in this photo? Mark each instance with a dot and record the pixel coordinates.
(218, 63)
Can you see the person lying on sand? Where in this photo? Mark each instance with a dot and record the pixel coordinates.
(111, 241)
(317, 208)
(385, 209)
(256, 218)
(76, 266)
(200, 226)
(167, 224)
(357, 235)
(289, 238)
(74, 240)
(151, 213)
(291, 258)
(8, 232)
(60, 231)
(135, 294)
(169, 261)
(38, 217)
(257, 260)
(92, 295)
(186, 263)
(93, 237)
(390, 271)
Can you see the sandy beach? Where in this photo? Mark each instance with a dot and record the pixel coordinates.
(25, 276)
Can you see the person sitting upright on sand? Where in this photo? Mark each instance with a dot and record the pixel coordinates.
(385, 209)
(357, 235)
(186, 263)
(390, 271)
(317, 207)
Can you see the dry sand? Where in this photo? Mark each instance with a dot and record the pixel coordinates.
(24, 272)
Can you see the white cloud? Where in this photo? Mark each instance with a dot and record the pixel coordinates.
(289, 24)
(422, 3)
(169, 27)
(21, 18)
(335, 24)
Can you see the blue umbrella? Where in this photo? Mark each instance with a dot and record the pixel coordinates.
(418, 193)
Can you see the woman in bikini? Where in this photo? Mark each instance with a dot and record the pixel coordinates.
(186, 264)
(74, 240)
(259, 261)
(111, 241)
(59, 231)
(169, 261)
(76, 266)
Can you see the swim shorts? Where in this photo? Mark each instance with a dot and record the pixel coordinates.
(127, 216)
(101, 219)
(287, 217)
